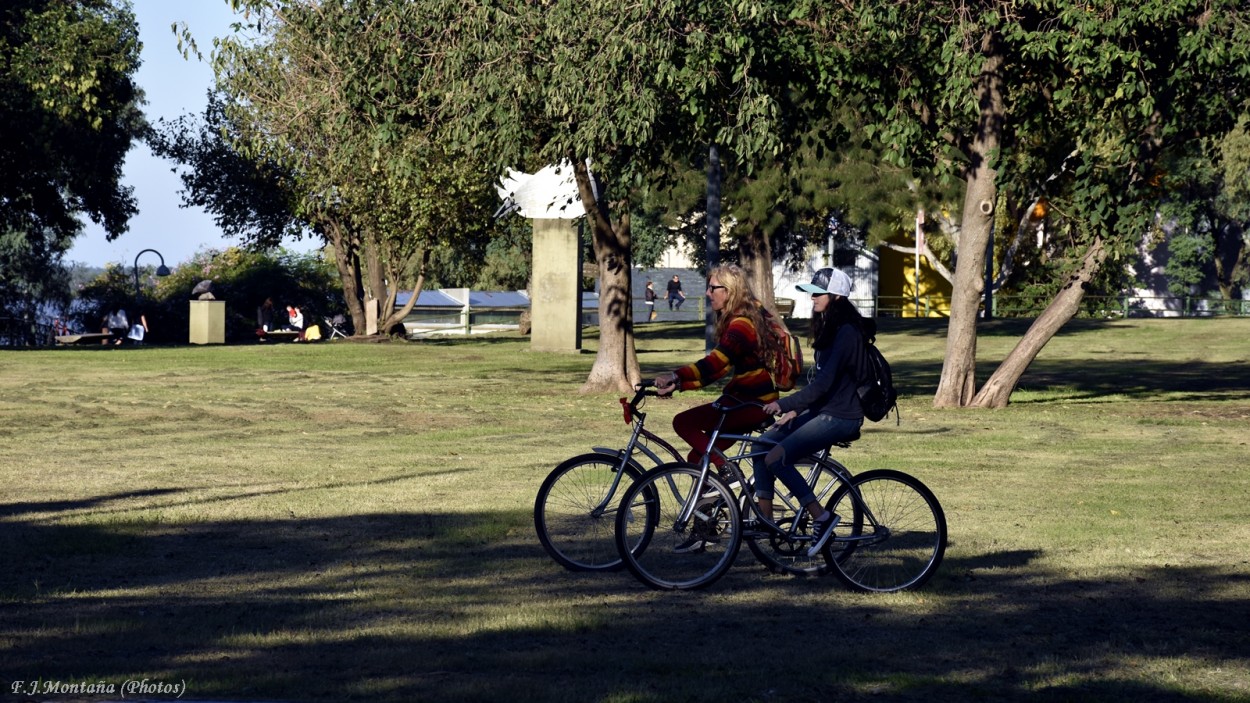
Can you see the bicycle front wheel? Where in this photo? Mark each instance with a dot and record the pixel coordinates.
(900, 539)
(678, 555)
(575, 511)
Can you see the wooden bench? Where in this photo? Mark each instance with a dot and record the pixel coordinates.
(86, 338)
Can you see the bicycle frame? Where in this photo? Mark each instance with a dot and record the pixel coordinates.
(637, 418)
(842, 473)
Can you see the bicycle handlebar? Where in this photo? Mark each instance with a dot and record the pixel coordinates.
(632, 408)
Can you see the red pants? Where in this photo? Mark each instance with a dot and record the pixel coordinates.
(696, 424)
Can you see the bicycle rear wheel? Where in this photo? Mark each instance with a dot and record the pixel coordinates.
(900, 541)
(787, 554)
(673, 555)
(575, 511)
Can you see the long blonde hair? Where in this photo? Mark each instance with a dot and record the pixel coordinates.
(740, 301)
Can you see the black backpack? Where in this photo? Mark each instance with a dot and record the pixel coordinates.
(877, 394)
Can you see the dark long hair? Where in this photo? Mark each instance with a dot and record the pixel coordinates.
(841, 311)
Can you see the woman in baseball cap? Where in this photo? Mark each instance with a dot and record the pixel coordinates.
(827, 409)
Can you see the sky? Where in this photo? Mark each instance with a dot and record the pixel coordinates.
(174, 86)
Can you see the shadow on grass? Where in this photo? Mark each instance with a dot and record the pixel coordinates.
(424, 606)
(1090, 380)
(1079, 380)
(117, 502)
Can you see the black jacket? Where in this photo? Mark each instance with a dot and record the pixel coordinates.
(834, 388)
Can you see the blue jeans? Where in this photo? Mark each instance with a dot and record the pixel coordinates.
(802, 436)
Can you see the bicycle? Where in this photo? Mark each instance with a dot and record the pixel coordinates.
(684, 525)
(576, 506)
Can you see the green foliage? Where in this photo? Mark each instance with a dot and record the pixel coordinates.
(1095, 94)
(113, 288)
(250, 198)
(1234, 151)
(506, 261)
(1189, 258)
(69, 107)
(333, 98)
(242, 278)
(34, 285)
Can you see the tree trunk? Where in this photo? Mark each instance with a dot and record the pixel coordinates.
(1230, 255)
(395, 317)
(374, 271)
(957, 385)
(347, 261)
(998, 389)
(616, 364)
(755, 255)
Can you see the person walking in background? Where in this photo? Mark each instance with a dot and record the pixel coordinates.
(649, 300)
(139, 330)
(674, 294)
(116, 323)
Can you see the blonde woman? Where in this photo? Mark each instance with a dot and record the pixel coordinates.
(743, 347)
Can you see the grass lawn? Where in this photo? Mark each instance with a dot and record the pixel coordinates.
(353, 522)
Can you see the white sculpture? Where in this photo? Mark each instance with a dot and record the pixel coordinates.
(550, 194)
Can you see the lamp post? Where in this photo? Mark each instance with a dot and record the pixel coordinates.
(161, 270)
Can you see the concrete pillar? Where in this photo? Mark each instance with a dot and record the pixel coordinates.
(556, 287)
(208, 322)
(371, 316)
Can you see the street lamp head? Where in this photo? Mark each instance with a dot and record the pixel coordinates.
(162, 270)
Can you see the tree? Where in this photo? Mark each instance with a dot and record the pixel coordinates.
(33, 283)
(631, 87)
(246, 278)
(70, 110)
(1008, 95)
(252, 199)
(325, 97)
(1203, 220)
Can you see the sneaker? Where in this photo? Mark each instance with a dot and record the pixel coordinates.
(756, 529)
(822, 530)
(693, 545)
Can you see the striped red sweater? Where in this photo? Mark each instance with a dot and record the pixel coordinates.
(737, 349)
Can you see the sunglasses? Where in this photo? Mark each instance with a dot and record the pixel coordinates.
(712, 288)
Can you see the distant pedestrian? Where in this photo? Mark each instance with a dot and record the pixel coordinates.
(139, 330)
(117, 324)
(674, 295)
(649, 301)
(264, 315)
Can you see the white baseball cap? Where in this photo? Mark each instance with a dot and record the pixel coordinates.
(828, 281)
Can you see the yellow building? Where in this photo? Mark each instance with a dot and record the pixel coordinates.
(899, 294)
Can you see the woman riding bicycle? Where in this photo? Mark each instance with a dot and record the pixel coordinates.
(825, 411)
(741, 347)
